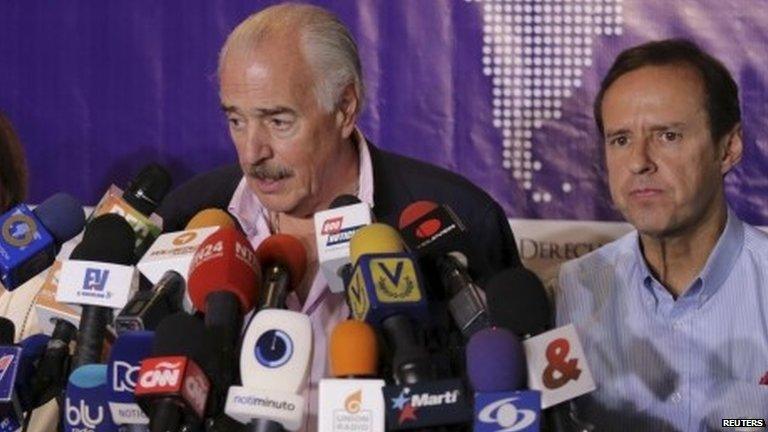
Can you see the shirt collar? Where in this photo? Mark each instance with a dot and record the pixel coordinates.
(252, 215)
(717, 268)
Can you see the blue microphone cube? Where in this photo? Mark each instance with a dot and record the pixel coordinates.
(382, 285)
(26, 247)
(9, 365)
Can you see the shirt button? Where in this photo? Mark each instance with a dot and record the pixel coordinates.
(676, 398)
(677, 325)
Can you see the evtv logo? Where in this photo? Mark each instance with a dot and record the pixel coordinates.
(95, 279)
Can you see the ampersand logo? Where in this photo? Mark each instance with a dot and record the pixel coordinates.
(558, 363)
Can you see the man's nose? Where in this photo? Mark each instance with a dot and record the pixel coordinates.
(641, 159)
(258, 146)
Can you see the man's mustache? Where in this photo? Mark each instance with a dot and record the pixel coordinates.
(264, 171)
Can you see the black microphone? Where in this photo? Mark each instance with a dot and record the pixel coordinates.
(7, 331)
(283, 261)
(343, 201)
(51, 377)
(439, 236)
(108, 239)
(173, 384)
(145, 192)
(517, 301)
(148, 307)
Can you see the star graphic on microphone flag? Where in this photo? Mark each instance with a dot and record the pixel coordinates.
(399, 402)
(408, 413)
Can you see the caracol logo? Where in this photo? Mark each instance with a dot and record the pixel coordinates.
(80, 415)
(506, 415)
(265, 403)
(408, 404)
(164, 374)
(124, 377)
(19, 230)
(274, 348)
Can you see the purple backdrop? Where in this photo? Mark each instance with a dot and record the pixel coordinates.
(499, 91)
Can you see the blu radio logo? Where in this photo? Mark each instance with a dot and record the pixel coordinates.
(82, 415)
(274, 348)
(19, 230)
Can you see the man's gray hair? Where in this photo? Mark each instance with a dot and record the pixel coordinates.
(326, 44)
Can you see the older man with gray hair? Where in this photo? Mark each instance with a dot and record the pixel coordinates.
(291, 88)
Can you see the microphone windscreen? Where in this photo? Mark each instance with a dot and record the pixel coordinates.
(62, 215)
(375, 238)
(225, 261)
(285, 250)
(517, 301)
(7, 331)
(148, 188)
(343, 201)
(414, 211)
(107, 238)
(353, 350)
(211, 217)
(495, 361)
(182, 334)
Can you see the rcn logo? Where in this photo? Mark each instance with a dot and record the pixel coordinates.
(506, 415)
(164, 374)
(81, 415)
(95, 279)
(273, 348)
(124, 378)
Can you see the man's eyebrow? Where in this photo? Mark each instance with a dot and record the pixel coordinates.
(611, 134)
(273, 111)
(662, 126)
(228, 108)
(261, 112)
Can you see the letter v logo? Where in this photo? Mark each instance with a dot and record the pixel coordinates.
(394, 278)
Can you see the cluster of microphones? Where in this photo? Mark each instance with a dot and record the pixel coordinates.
(189, 330)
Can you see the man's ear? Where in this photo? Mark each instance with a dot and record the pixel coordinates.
(731, 149)
(347, 109)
